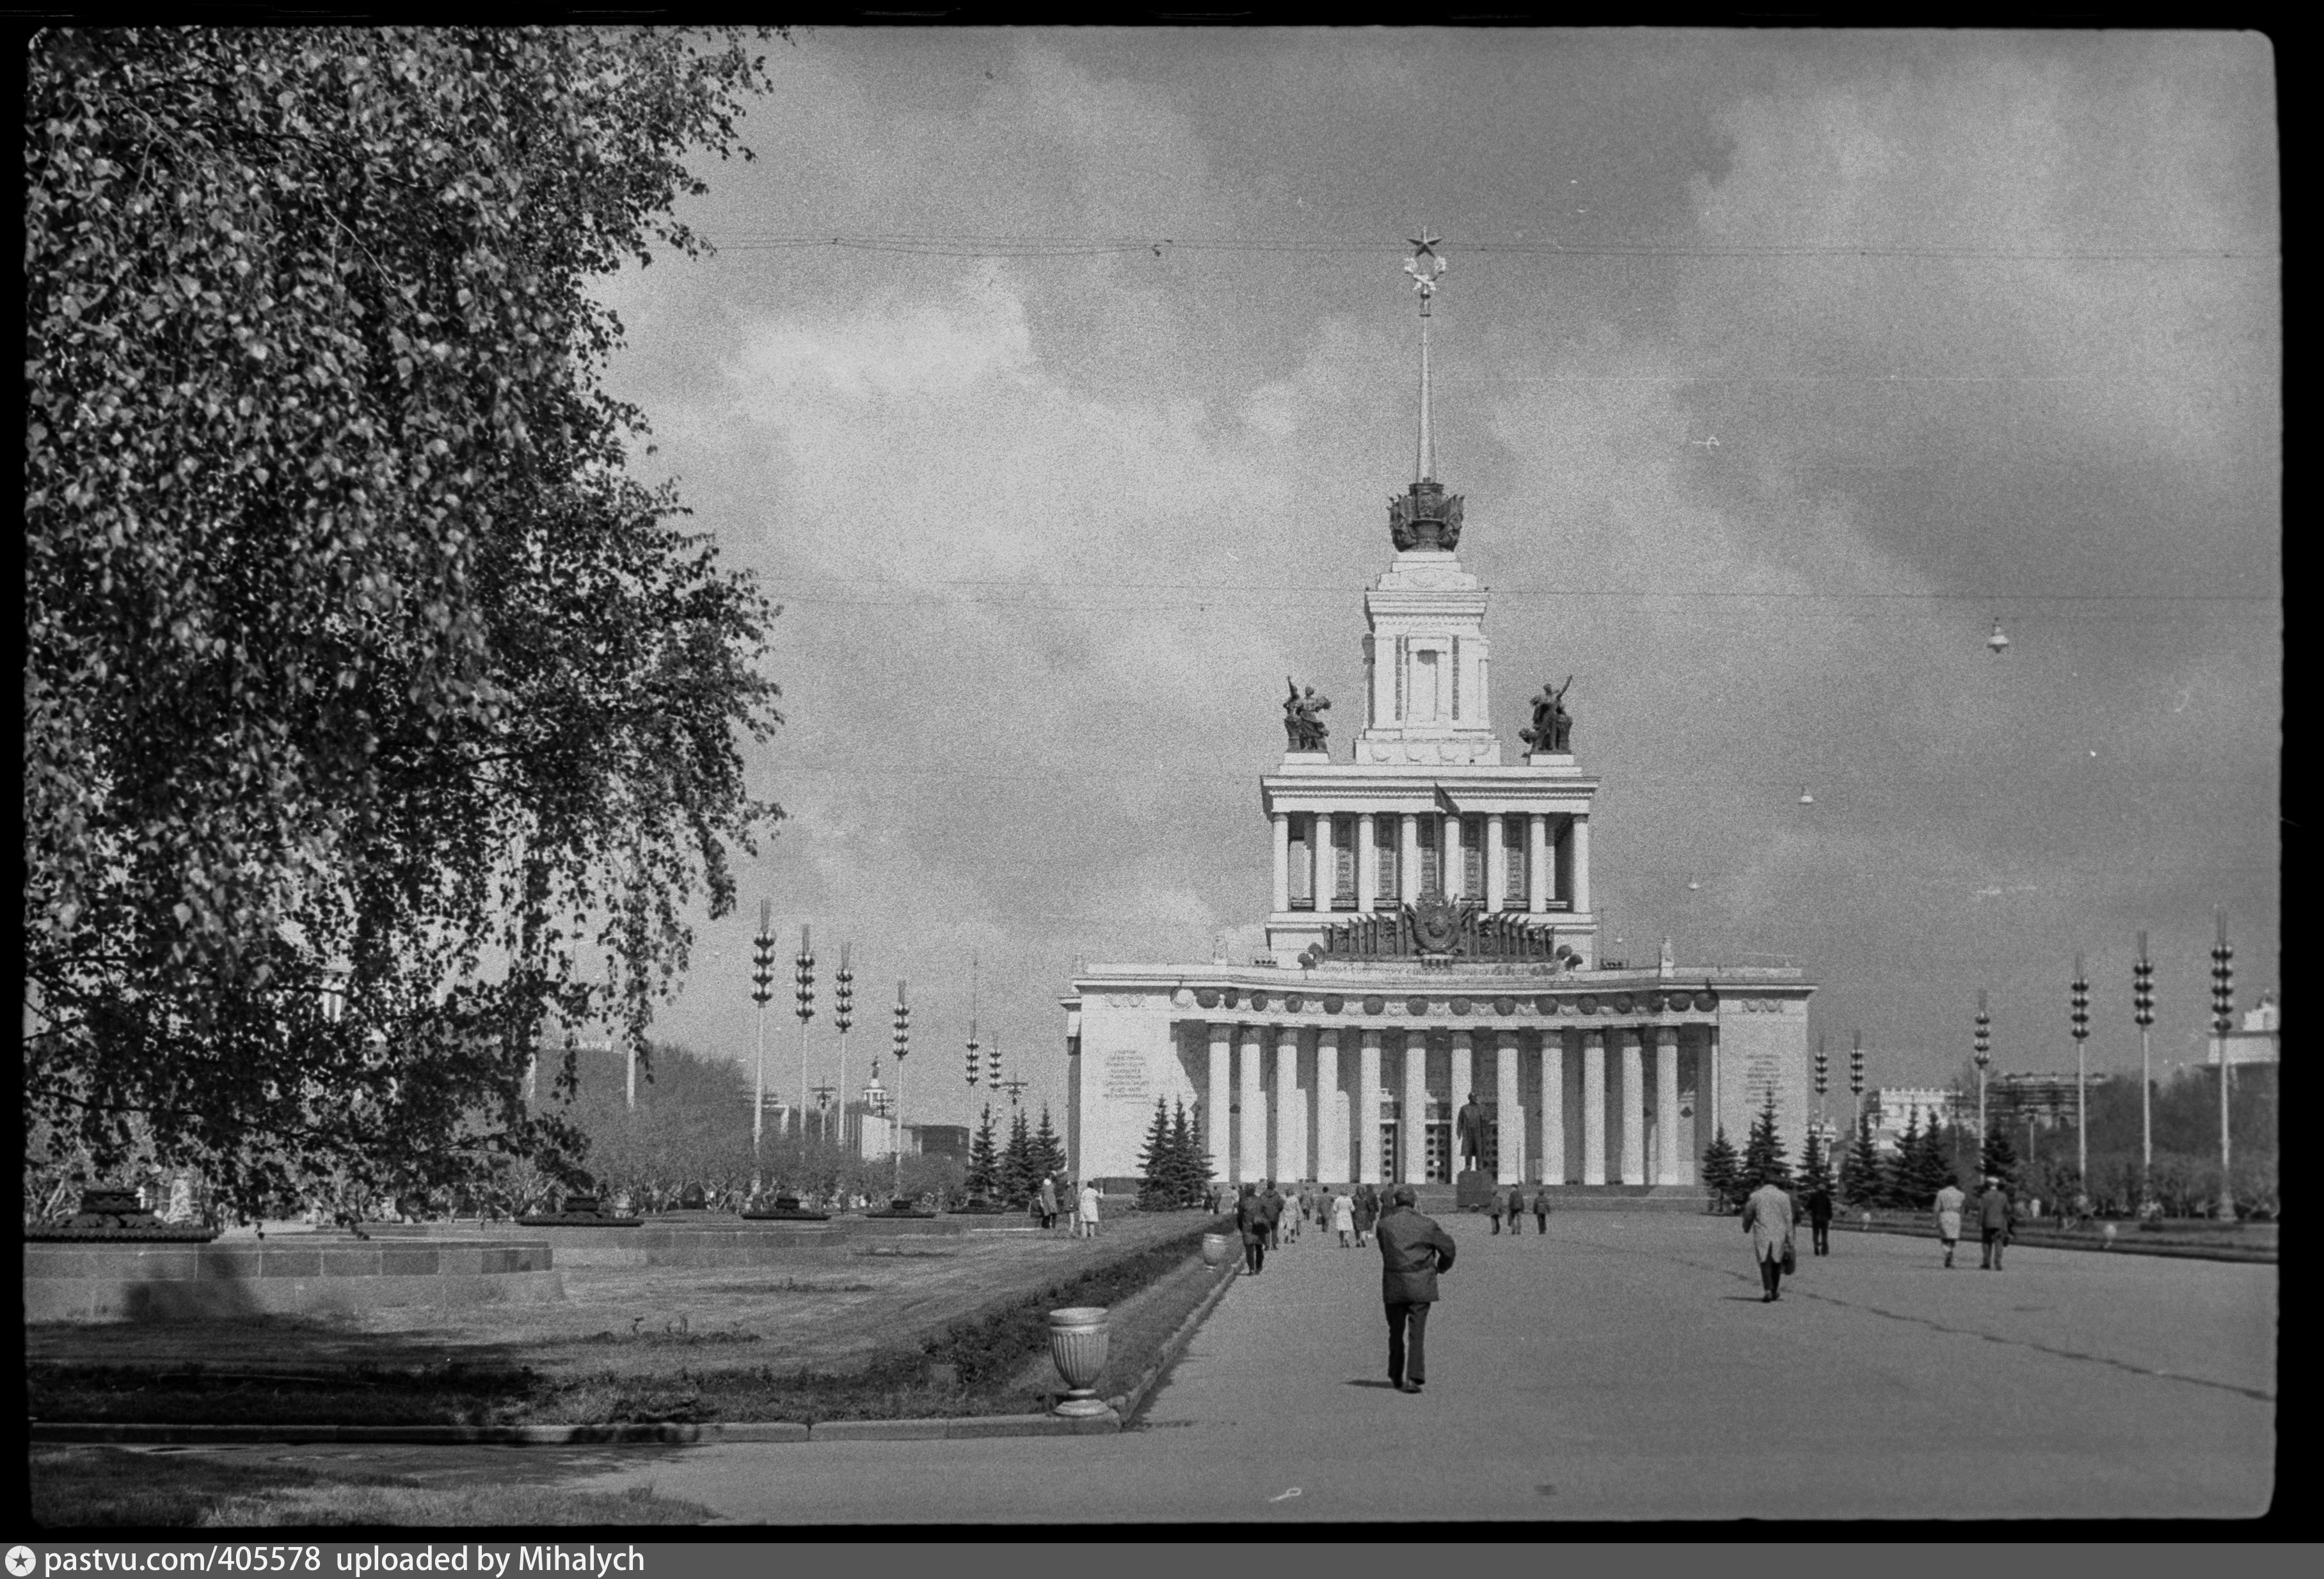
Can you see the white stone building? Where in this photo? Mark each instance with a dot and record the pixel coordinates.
(1433, 935)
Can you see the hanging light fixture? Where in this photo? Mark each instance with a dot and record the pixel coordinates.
(1996, 641)
(1806, 799)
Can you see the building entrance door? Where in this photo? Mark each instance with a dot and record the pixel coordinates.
(1391, 1164)
(1440, 1150)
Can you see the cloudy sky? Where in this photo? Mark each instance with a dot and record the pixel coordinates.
(1060, 475)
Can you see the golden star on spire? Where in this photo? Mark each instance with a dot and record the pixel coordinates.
(1424, 274)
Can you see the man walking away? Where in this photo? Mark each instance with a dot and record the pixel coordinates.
(1088, 1214)
(1273, 1200)
(1516, 1209)
(1541, 1209)
(1493, 1209)
(1048, 1201)
(1343, 1216)
(1949, 1201)
(1367, 1212)
(1994, 1217)
(1820, 1219)
(1413, 1250)
(1250, 1222)
(1767, 1219)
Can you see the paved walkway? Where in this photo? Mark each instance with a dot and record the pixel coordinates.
(1624, 1367)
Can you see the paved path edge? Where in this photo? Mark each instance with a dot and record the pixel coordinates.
(1129, 1404)
(639, 1434)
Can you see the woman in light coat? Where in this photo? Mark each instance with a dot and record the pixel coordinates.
(1085, 1219)
(1343, 1216)
(1768, 1218)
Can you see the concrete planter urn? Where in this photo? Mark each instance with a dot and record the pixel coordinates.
(1218, 1249)
(1077, 1345)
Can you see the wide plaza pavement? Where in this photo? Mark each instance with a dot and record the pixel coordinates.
(1623, 1367)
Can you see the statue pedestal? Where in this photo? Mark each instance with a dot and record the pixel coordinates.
(1472, 1188)
(1549, 759)
(1301, 758)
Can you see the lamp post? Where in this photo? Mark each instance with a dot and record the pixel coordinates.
(823, 1110)
(2082, 1021)
(1984, 1056)
(1856, 1089)
(842, 1015)
(762, 979)
(2142, 999)
(805, 978)
(2223, 1008)
(903, 1046)
(1822, 1076)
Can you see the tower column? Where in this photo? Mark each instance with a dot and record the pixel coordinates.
(1666, 1104)
(1218, 1125)
(1449, 868)
(1461, 1086)
(1412, 1129)
(1593, 1106)
(1582, 864)
(1496, 861)
(1323, 854)
(1253, 1146)
(1537, 863)
(1408, 870)
(1511, 1169)
(1282, 820)
(1366, 863)
(1368, 1111)
(1634, 1109)
(1552, 1107)
(1331, 1120)
(1288, 1151)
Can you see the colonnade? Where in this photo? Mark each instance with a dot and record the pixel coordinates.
(1541, 861)
(1277, 1128)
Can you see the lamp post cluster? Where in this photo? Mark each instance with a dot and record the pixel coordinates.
(763, 978)
(2080, 1019)
(2223, 1020)
(1856, 1083)
(804, 976)
(842, 1016)
(903, 1046)
(2142, 998)
(1984, 1056)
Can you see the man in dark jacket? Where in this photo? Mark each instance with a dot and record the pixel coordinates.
(1995, 1215)
(1516, 1209)
(1250, 1222)
(1541, 1209)
(1413, 1250)
(1820, 1218)
(1272, 1199)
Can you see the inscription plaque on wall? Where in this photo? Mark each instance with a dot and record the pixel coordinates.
(1762, 1072)
(1125, 1076)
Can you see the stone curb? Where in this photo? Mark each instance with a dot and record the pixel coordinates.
(625, 1434)
(1131, 1403)
(2125, 1243)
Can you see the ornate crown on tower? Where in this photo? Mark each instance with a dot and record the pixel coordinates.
(1424, 517)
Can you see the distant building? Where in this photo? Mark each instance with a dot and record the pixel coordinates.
(2045, 1100)
(2260, 1041)
(1896, 1108)
(939, 1139)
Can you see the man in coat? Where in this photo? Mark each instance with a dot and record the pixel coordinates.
(1820, 1219)
(1272, 1199)
(1493, 1209)
(1767, 1219)
(1516, 1208)
(1995, 1216)
(1413, 1250)
(1541, 1209)
(1367, 1212)
(1048, 1202)
(1250, 1222)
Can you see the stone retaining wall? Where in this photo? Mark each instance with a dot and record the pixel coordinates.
(86, 1281)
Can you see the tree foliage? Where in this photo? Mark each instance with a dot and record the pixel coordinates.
(1763, 1153)
(1049, 1152)
(1721, 1169)
(1863, 1181)
(1018, 1180)
(1815, 1164)
(983, 1181)
(351, 647)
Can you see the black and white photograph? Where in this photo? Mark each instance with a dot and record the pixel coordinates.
(903, 775)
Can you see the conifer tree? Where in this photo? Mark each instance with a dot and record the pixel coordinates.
(1859, 1170)
(1763, 1153)
(1999, 1157)
(1815, 1164)
(1018, 1180)
(1190, 1169)
(983, 1181)
(1933, 1170)
(1049, 1152)
(1897, 1170)
(1720, 1169)
(1156, 1166)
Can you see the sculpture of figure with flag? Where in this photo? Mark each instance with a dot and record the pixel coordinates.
(1553, 726)
(1303, 722)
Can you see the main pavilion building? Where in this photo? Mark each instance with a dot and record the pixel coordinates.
(1433, 935)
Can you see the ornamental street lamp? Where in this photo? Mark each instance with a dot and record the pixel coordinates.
(804, 976)
(823, 1110)
(842, 1016)
(2223, 1011)
(2082, 1019)
(2142, 999)
(903, 1046)
(1984, 1056)
(1856, 1080)
(992, 1062)
(1822, 1075)
(762, 979)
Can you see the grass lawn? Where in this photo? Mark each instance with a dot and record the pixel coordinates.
(935, 1327)
(124, 1489)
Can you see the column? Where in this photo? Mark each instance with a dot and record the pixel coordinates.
(1497, 861)
(1282, 820)
(1593, 1106)
(1512, 1125)
(1218, 1125)
(1449, 868)
(1464, 1083)
(1717, 1091)
(1552, 1107)
(1331, 1120)
(1666, 1103)
(1366, 863)
(1254, 1111)
(1581, 865)
(1537, 863)
(1321, 851)
(1289, 1153)
(1368, 1111)
(1408, 870)
(1633, 1109)
(1412, 1133)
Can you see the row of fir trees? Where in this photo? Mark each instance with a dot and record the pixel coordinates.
(1908, 1179)
(1012, 1175)
(1175, 1162)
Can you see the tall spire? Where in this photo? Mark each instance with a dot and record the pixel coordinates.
(1426, 268)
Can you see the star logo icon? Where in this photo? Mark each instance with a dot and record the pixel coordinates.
(21, 1561)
